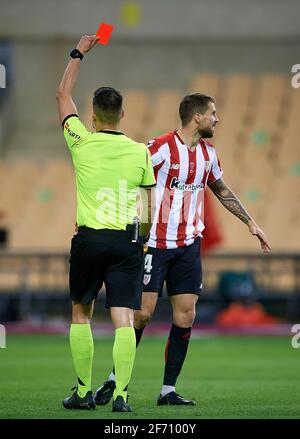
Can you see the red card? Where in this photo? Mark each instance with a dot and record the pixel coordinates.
(104, 32)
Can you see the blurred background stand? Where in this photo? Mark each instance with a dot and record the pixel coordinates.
(240, 52)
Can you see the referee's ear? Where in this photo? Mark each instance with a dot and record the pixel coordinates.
(122, 114)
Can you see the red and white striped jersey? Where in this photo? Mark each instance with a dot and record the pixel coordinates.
(181, 177)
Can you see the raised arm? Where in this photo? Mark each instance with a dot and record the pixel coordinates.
(233, 204)
(65, 102)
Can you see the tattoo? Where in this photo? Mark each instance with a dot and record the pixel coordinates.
(229, 200)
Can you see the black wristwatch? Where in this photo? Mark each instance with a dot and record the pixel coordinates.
(75, 53)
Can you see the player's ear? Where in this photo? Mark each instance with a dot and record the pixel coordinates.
(93, 120)
(197, 117)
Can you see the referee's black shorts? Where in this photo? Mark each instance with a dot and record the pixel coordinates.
(107, 256)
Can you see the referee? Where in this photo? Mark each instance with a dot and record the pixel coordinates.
(109, 169)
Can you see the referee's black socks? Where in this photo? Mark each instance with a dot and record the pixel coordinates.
(175, 353)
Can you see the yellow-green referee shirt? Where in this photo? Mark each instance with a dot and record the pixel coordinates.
(109, 169)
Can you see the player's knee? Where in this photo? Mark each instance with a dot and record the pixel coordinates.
(185, 319)
(142, 317)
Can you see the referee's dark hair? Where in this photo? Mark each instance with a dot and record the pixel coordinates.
(107, 104)
(194, 103)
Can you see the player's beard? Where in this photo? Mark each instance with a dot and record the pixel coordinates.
(206, 133)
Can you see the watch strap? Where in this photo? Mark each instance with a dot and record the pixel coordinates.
(76, 54)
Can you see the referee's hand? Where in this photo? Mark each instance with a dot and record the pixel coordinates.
(86, 43)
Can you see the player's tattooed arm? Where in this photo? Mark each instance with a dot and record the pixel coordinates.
(233, 204)
(229, 200)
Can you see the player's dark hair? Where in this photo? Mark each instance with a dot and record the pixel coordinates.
(191, 104)
(107, 104)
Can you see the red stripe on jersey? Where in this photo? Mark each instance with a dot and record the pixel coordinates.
(156, 169)
(153, 148)
(206, 159)
(168, 195)
(178, 137)
(186, 200)
(181, 242)
(200, 195)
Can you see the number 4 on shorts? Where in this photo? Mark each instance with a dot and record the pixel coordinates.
(148, 263)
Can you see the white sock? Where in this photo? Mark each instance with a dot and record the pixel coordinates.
(111, 377)
(167, 389)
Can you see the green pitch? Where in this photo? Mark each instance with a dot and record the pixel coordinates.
(229, 377)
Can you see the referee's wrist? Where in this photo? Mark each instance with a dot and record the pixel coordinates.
(76, 54)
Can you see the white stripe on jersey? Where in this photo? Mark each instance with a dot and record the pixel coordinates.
(160, 184)
(198, 178)
(175, 211)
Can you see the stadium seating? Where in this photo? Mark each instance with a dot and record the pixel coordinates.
(256, 140)
(208, 83)
(40, 204)
(165, 115)
(137, 114)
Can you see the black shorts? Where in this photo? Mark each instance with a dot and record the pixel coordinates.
(107, 256)
(180, 268)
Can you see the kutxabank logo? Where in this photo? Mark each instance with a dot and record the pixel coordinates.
(177, 184)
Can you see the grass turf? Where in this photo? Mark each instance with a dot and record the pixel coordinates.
(229, 377)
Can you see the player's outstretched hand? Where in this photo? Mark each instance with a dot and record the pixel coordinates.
(256, 231)
(86, 43)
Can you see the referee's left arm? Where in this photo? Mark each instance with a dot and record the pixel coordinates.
(65, 102)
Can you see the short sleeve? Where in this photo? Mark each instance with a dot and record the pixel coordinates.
(148, 177)
(216, 171)
(156, 153)
(74, 131)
